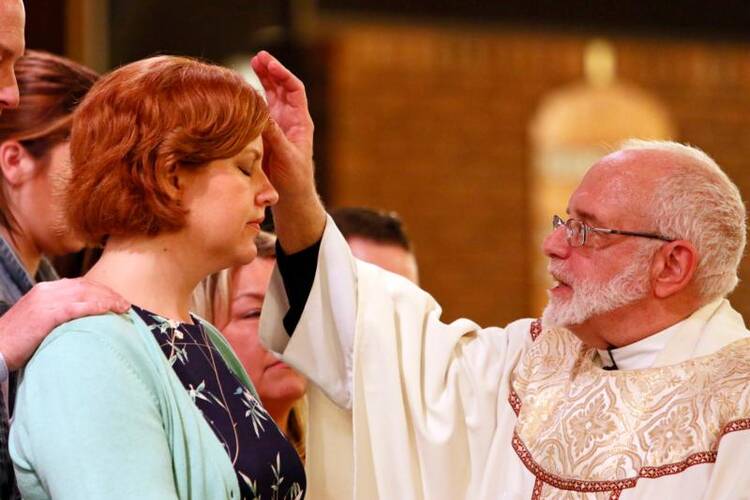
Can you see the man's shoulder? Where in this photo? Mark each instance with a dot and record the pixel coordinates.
(6, 297)
(514, 337)
(524, 330)
(4, 304)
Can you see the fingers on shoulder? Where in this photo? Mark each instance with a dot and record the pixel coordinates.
(77, 294)
(73, 310)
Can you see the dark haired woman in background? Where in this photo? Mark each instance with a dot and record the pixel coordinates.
(35, 162)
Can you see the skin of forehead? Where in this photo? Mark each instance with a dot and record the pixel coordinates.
(253, 149)
(253, 278)
(388, 256)
(12, 18)
(617, 188)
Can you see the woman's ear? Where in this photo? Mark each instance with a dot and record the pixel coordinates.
(181, 177)
(16, 164)
(673, 267)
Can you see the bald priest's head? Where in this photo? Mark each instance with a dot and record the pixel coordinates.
(653, 232)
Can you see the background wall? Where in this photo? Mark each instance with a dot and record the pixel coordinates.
(425, 107)
(433, 121)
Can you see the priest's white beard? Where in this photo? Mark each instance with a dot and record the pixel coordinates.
(591, 298)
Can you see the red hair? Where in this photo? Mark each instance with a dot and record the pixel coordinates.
(139, 125)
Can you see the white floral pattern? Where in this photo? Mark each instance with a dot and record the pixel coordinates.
(266, 464)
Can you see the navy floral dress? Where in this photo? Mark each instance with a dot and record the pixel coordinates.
(267, 466)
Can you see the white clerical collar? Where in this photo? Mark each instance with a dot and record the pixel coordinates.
(638, 355)
(644, 353)
(663, 348)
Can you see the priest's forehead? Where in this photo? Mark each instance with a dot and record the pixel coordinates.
(617, 189)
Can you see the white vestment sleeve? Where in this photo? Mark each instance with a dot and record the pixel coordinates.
(429, 400)
(729, 478)
(322, 344)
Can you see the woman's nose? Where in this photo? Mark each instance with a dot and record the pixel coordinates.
(267, 196)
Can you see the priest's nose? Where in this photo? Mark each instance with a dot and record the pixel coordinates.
(556, 244)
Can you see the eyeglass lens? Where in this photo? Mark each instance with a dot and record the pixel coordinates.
(575, 230)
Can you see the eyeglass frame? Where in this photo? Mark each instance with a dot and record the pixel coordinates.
(558, 221)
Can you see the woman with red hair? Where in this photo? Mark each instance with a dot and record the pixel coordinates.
(167, 176)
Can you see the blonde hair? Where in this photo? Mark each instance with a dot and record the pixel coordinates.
(212, 299)
(212, 294)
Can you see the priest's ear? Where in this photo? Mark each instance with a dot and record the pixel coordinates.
(673, 267)
(16, 163)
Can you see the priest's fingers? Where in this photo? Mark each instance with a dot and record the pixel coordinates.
(279, 147)
(279, 82)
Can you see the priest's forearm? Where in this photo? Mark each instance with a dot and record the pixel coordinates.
(299, 221)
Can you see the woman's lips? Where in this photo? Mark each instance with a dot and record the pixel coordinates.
(256, 223)
(277, 364)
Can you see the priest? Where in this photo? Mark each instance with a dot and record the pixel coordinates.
(634, 384)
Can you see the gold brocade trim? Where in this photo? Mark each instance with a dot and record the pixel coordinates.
(580, 426)
(562, 483)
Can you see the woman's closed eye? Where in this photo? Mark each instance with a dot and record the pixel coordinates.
(250, 314)
(247, 171)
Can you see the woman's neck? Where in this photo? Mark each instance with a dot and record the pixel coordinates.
(153, 273)
(24, 248)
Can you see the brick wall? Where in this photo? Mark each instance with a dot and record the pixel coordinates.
(432, 121)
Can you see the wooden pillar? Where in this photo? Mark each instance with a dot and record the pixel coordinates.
(87, 34)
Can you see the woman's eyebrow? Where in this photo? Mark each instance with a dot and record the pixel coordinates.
(251, 154)
(250, 295)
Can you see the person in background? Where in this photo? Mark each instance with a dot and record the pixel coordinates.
(34, 172)
(378, 237)
(231, 299)
(24, 324)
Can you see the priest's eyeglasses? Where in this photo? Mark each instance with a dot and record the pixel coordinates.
(576, 231)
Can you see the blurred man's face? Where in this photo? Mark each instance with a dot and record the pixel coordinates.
(392, 258)
(12, 18)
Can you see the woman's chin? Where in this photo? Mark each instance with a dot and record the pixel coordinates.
(243, 256)
(250, 253)
(290, 389)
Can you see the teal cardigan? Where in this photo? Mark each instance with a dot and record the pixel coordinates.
(101, 414)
